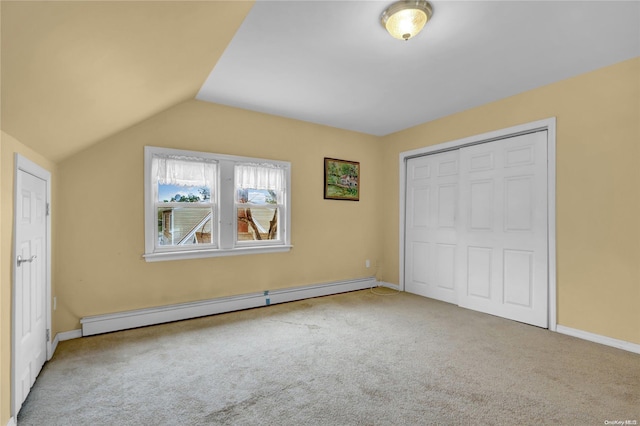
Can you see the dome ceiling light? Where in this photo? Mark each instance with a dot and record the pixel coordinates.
(406, 18)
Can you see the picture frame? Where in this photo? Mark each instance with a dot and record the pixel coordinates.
(341, 179)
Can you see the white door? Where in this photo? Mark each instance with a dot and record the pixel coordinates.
(30, 315)
(431, 236)
(476, 227)
(503, 242)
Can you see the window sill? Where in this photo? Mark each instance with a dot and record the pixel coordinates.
(200, 254)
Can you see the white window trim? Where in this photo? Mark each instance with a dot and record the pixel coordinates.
(224, 211)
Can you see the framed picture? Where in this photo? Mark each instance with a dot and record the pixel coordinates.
(341, 180)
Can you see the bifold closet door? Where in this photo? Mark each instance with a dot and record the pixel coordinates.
(431, 226)
(476, 227)
(503, 242)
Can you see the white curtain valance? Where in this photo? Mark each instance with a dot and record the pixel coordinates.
(260, 176)
(184, 171)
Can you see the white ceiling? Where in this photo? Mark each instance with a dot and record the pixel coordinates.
(332, 63)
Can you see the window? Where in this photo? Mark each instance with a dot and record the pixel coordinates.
(203, 204)
(182, 201)
(259, 202)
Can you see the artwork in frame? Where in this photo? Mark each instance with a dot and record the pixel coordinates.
(341, 180)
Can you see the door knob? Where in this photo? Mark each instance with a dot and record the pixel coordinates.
(21, 260)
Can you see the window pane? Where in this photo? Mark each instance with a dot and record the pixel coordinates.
(258, 223)
(258, 196)
(178, 226)
(183, 194)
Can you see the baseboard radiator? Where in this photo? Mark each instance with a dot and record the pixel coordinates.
(143, 317)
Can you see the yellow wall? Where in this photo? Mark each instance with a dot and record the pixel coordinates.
(100, 220)
(8, 147)
(598, 196)
(598, 236)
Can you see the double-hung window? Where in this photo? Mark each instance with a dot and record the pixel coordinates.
(259, 203)
(200, 204)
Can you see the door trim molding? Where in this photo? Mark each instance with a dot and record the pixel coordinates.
(25, 165)
(548, 124)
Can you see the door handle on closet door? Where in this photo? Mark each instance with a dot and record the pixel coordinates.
(20, 260)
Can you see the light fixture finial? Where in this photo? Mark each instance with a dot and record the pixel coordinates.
(406, 18)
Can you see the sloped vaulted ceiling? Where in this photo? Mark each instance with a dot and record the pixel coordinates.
(75, 72)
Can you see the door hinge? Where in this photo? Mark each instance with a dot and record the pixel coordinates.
(48, 334)
(48, 212)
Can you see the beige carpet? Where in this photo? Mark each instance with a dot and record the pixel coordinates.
(349, 359)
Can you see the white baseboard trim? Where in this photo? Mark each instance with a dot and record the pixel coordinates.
(12, 422)
(65, 335)
(143, 317)
(54, 346)
(389, 285)
(69, 335)
(597, 338)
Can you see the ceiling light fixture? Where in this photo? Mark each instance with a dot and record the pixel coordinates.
(406, 18)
